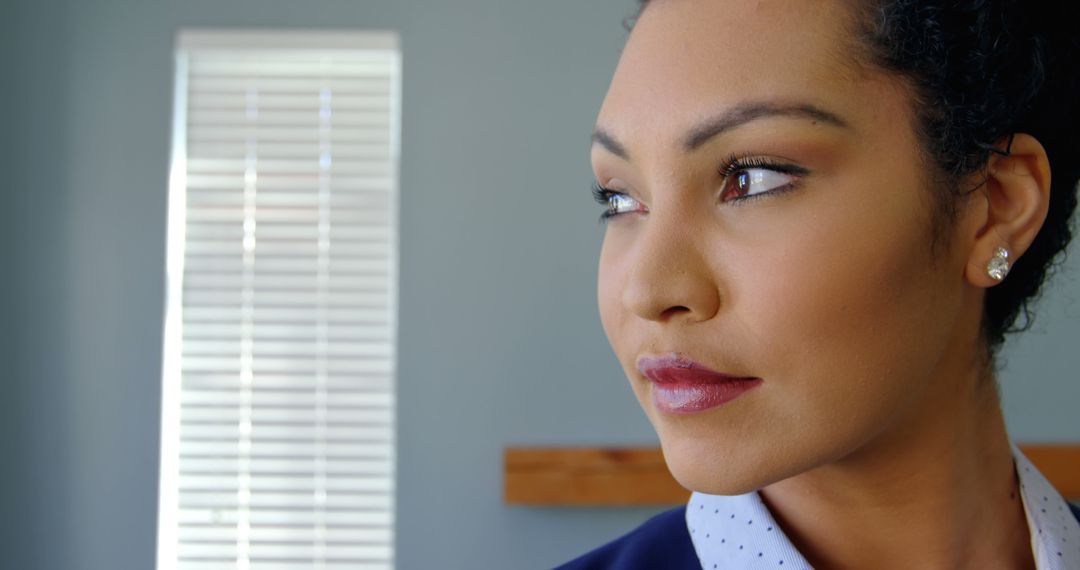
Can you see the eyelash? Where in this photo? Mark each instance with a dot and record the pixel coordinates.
(731, 166)
(736, 163)
(603, 197)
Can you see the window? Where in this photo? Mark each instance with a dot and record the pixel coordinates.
(279, 364)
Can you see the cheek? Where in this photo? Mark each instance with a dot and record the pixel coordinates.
(846, 313)
(612, 273)
(831, 290)
(611, 277)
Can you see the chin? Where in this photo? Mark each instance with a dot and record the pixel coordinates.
(729, 467)
(703, 466)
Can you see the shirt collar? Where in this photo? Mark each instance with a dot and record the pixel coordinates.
(740, 532)
(1055, 533)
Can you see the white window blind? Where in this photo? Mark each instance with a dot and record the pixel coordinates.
(278, 401)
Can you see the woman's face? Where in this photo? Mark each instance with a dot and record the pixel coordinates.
(807, 264)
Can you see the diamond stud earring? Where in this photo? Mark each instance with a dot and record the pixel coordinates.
(998, 267)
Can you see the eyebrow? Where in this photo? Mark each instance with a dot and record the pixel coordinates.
(732, 118)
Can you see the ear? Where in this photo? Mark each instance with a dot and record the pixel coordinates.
(1017, 197)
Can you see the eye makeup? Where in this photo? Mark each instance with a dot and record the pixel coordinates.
(739, 174)
(610, 198)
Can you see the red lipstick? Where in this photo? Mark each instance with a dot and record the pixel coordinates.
(682, 386)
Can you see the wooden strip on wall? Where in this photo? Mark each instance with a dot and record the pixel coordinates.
(582, 476)
(1060, 464)
(639, 476)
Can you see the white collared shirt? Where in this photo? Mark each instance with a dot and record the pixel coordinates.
(739, 532)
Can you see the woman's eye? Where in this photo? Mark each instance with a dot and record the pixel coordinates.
(617, 203)
(754, 181)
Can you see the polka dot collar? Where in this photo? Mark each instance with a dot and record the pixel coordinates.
(1055, 533)
(739, 532)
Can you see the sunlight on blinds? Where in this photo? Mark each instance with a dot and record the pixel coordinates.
(278, 402)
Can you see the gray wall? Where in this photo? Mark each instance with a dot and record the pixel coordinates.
(500, 342)
(497, 277)
(35, 430)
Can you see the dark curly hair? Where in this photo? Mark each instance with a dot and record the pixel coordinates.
(979, 71)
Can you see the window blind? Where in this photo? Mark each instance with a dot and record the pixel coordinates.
(278, 396)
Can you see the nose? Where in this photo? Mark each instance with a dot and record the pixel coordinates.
(669, 276)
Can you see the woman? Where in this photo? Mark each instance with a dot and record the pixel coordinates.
(822, 217)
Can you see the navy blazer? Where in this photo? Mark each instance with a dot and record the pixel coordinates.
(660, 542)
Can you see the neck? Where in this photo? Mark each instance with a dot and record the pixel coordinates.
(937, 491)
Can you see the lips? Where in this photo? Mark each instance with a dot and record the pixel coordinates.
(682, 386)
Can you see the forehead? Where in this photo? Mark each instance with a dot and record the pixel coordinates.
(688, 59)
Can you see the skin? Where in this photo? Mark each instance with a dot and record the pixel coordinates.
(877, 425)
